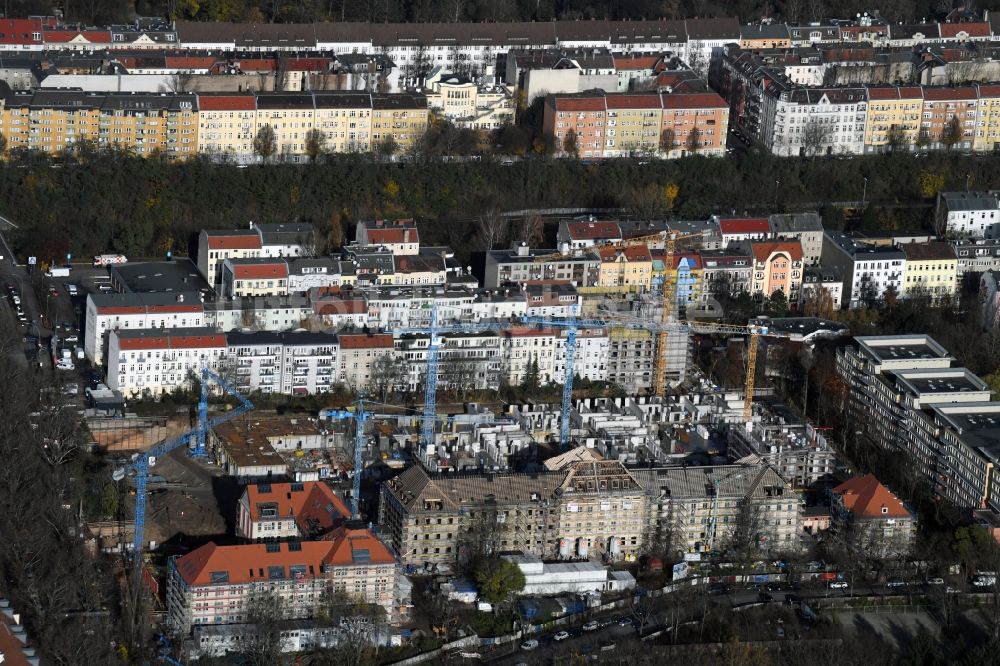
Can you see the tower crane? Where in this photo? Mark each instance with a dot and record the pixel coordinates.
(752, 331)
(434, 331)
(143, 461)
(360, 416)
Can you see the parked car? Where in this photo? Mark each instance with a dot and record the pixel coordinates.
(72, 337)
(529, 644)
(624, 622)
(591, 626)
(561, 636)
(71, 289)
(718, 588)
(936, 581)
(65, 364)
(104, 288)
(838, 585)
(896, 583)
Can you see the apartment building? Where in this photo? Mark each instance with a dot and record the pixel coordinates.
(465, 360)
(725, 272)
(151, 362)
(977, 255)
(777, 266)
(529, 349)
(399, 119)
(467, 104)
(894, 118)
(257, 241)
(701, 507)
(948, 119)
(522, 264)
(860, 365)
(625, 269)
(586, 234)
(307, 510)
(826, 280)
(291, 363)
(215, 585)
(886, 527)
(616, 125)
(869, 271)
(215, 246)
(254, 277)
(806, 228)
(590, 508)
(969, 214)
(359, 357)
(400, 237)
(931, 269)
(227, 125)
(736, 229)
(108, 312)
(632, 358)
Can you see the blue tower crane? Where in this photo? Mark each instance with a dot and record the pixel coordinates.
(143, 461)
(361, 416)
(435, 330)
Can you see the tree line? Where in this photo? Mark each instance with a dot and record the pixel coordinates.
(108, 201)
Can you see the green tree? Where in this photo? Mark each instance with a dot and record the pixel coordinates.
(265, 144)
(531, 376)
(777, 304)
(498, 579)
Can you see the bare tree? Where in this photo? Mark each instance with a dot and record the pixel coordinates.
(492, 229)
(744, 542)
(388, 374)
(479, 537)
(815, 137)
(262, 645)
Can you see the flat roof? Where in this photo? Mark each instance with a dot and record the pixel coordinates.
(976, 423)
(178, 275)
(902, 347)
(945, 380)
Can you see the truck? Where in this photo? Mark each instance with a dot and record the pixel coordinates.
(58, 271)
(109, 259)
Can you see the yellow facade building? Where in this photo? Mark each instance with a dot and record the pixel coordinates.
(625, 269)
(987, 137)
(931, 269)
(403, 118)
(892, 119)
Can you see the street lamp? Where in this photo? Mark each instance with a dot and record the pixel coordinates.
(864, 192)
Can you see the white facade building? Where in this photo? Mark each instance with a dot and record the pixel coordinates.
(107, 312)
(969, 214)
(151, 362)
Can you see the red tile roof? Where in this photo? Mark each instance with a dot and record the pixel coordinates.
(986, 90)
(633, 101)
(971, 29)
(172, 340)
(63, 36)
(593, 230)
(365, 341)
(630, 253)
(946, 94)
(197, 341)
(763, 251)
(635, 62)
(248, 241)
(340, 306)
(865, 497)
(189, 62)
(393, 235)
(595, 103)
(745, 225)
(345, 542)
(248, 563)
(693, 101)
(316, 508)
(19, 31)
(227, 103)
(11, 648)
(273, 270)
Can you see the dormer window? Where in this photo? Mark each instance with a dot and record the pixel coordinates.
(885, 509)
